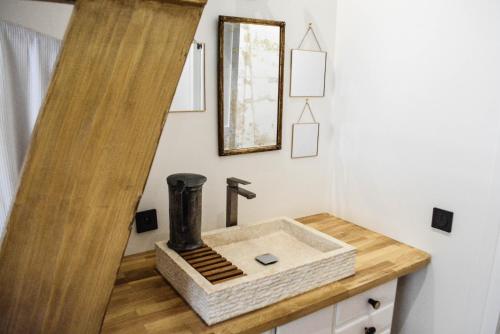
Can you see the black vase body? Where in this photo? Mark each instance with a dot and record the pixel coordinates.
(185, 192)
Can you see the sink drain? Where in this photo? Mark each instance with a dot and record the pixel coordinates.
(266, 259)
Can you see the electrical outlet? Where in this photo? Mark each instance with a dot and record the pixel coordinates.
(442, 219)
(146, 221)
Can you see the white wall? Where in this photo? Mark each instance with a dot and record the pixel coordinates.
(189, 142)
(416, 125)
(45, 17)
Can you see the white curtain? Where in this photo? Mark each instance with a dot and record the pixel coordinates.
(26, 62)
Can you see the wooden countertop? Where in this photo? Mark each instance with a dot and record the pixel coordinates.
(143, 302)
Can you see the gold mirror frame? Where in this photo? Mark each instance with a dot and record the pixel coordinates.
(220, 78)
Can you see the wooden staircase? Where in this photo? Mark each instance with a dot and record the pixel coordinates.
(88, 162)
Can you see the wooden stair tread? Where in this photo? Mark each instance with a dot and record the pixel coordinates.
(216, 277)
(211, 265)
(203, 264)
(90, 155)
(227, 279)
(198, 255)
(218, 270)
(204, 258)
(195, 251)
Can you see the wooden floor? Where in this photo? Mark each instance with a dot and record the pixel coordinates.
(143, 302)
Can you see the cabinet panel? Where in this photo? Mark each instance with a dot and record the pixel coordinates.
(381, 320)
(358, 306)
(320, 322)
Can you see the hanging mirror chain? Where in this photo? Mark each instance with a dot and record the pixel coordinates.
(310, 29)
(307, 106)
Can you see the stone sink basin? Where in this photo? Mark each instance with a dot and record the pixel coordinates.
(307, 259)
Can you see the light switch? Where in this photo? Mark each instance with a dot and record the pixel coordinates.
(442, 219)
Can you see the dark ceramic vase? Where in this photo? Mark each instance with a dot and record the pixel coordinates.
(185, 211)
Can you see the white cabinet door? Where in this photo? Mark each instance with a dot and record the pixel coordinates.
(380, 320)
(350, 316)
(320, 322)
(357, 306)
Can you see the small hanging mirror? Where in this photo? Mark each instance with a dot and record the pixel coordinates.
(308, 70)
(305, 136)
(190, 92)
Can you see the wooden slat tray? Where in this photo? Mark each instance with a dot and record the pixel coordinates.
(211, 265)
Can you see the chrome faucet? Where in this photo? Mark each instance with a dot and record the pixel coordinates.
(233, 190)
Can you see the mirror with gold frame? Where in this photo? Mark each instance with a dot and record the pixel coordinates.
(250, 87)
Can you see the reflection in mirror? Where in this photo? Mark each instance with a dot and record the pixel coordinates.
(307, 78)
(250, 85)
(190, 92)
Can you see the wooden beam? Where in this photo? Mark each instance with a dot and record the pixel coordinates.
(88, 162)
(70, 2)
(200, 3)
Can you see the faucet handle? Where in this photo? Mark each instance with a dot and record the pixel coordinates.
(233, 181)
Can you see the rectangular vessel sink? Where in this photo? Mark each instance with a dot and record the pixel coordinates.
(307, 259)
